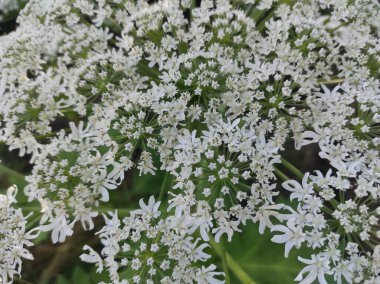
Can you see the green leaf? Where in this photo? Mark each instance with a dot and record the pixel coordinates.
(80, 276)
(42, 237)
(262, 259)
(98, 277)
(61, 280)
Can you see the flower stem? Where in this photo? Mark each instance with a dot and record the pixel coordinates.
(163, 186)
(231, 264)
(291, 168)
(280, 174)
(28, 208)
(332, 81)
(225, 264)
(33, 222)
(120, 211)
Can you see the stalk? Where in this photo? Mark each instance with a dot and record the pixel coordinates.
(332, 81)
(162, 190)
(231, 263)
(292, 168)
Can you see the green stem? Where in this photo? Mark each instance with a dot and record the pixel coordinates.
(291, 168)
(231, 264)
(280, 174)
(225, 265)
(249, 9)
(223, 255)
(120, 211)
(48, 135)
(28, 208)
(33, 222)
(333, 81)
(163, 186)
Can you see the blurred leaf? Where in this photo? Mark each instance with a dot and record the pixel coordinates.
(61, 280)
(96, 277)
(43, 236)
(262, 259)
(80, 276)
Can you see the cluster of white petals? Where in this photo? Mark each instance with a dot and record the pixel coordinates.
(208, 94)
(14, 237)
(154, 249)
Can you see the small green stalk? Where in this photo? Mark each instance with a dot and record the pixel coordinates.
(333, 81)
(29, 208)
(33, 222)
(163, 186)
(230, 263)
(225, 264)
(120, 211)
(292, 168)
(280, 174)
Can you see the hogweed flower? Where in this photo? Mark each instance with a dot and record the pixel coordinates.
(14, 237)
(144, 248)
(208, 94)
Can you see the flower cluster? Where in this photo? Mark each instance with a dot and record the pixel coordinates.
(14, 237)
(147, 249)
(208, 93)
(341, 237)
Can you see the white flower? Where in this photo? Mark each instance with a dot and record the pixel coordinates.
(146, 164)
(102, 184)
(124, 77)
(316, 268)
(14, 237)
(86, 219)
(319, 135)
(207, 275)
(203, 222)
(60, 229)
(187, 140)
(149, 210)
(92, 257)
(297, 190)
(264, 213)
(293, 236)
(226, 227)
(344, 268)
